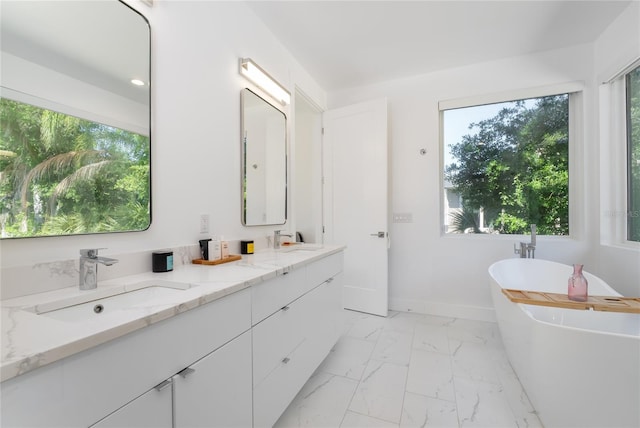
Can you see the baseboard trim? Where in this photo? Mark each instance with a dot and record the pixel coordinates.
(477, 313)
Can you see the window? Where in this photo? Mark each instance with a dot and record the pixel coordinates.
(61, 175)
(633, 154)
(506, 166)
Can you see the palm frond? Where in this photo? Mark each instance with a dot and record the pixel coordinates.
(463, 220)
(84, 173)
(71, 224)
(53, 164)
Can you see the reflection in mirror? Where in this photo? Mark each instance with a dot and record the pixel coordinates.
(74, 130)
(264, 162)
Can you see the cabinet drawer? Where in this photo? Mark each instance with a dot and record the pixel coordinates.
(312, 321)
(318, 272)
(278, 389)
(329, 321)
(280, 386)
(268, 297)
(275, 338)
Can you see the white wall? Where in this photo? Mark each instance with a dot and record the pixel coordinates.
(448, 274)
(196, 153)
(195, 128)
(37, 85)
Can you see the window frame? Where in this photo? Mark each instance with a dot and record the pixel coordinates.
(614, 160)
(628, 151)
(575, 151)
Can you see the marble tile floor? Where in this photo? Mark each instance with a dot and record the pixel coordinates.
(413, 370)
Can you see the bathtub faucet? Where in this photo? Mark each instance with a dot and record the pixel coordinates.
(527, 250)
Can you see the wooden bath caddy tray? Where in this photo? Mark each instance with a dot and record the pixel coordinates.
(231, 258)
(597, 303)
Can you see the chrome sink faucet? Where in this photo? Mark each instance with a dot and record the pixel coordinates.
(277, 234)
(527, 250)
(89, 260)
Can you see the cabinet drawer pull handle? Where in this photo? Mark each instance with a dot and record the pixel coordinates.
(285, 308)
(162, 385)
(186, 372)
(286, 360)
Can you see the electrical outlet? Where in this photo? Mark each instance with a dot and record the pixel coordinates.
(204, 223)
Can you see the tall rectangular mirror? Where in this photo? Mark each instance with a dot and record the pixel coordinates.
(74, 118)
(264, 162)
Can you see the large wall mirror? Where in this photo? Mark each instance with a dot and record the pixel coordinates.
(264, 162)
(74, 117)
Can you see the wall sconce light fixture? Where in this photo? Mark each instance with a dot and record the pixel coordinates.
(261, 78)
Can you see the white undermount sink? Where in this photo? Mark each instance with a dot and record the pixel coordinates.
(92, 306)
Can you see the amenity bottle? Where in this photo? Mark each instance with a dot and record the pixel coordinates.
(577, 285)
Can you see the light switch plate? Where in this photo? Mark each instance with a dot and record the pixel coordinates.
(402, 217)
(204, 223)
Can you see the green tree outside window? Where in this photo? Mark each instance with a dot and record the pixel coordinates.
(513, 169)
(633, 155)
(61, 175)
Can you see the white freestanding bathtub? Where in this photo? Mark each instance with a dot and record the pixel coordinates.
(579, 368)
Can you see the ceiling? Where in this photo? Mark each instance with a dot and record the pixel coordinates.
(352, 43)
(104, 43)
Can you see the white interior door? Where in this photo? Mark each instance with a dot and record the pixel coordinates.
(355, 200)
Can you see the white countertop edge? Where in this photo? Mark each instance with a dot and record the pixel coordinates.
(59, 340)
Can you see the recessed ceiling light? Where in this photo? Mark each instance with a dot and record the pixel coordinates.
(137, 82)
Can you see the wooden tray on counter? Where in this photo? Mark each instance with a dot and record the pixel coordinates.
(231, 258)
(558, 300)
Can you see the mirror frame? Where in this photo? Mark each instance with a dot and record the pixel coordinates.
(243, 154)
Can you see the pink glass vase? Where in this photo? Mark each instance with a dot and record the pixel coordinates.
(577, 285)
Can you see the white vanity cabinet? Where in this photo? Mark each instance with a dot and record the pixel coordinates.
(116, 379)
(234, 362)
(213, 392)
(289, 344)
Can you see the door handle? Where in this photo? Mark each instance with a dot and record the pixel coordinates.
(162, 385)
(186, 372)
(379, 234)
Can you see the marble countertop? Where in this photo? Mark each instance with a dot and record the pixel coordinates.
(29, 340)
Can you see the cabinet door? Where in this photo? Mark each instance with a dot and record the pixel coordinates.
(276, 391)
(150, 410)
(216, 390)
